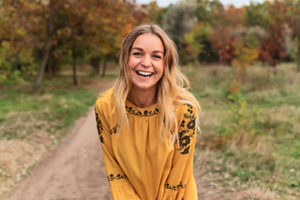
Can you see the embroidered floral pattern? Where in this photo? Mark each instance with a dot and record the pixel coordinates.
(187, 132)
(114, 129)
(175, 187)
(99, 127)
(112, 177)
(146, 113)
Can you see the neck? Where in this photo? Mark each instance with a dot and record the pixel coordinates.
(142, 98)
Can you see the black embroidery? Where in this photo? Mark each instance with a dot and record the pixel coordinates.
(99, 127)
(182, 123)
(146, 113)
(112, 177)
(175, 187)
(184, 141)
(186, 150)
(191, 124)
(114, 130)
(188, 116)
(187, 132)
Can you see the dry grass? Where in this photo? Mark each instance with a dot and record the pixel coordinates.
(248, 155)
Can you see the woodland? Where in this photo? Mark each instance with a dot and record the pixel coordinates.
(41, 36)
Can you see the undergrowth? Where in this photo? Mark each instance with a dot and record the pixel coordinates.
(250, 127)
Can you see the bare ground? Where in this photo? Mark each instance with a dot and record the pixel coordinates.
(74, 170)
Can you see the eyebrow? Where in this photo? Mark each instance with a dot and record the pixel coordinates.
(155, 51)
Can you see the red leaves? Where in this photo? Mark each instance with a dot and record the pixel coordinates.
(272, 48)
(226, 51)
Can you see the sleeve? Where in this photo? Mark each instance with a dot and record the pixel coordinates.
(121, 188)
(181, 174)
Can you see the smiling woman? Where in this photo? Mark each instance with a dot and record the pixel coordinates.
(146, 68)
(147, 122)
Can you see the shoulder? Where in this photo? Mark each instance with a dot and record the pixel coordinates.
(186, 111)
(105, 101)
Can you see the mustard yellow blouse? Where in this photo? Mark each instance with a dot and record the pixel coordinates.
(139, 164)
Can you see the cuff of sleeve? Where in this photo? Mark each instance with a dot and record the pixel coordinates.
(122, 190)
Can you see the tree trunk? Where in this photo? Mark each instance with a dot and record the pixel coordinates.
(104, 67)
(16, 64)
(50, 70)
(42, 67)
(47, 51)
(95, 62)
(298, 57)
(74, 63)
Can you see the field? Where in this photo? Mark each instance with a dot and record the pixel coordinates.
(250, 132)
(248, 147)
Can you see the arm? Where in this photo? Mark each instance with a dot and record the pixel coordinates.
(181, 173)
(121, 188)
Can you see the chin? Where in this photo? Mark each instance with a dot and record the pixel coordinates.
(144, 87)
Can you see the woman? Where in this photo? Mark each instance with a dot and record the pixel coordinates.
(147, 122)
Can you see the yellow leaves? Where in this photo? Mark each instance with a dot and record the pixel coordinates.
(189, 38)
(20, 32)
(245, 57)
(5, 44)
(128, 27)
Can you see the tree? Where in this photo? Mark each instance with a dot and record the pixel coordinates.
(273, 47)
(225, 23)
(198, 44)
(206, 10)
(16, 54)
(257, 14)
(154, 12)
(179, 19)
(42, 33)
(293, 18)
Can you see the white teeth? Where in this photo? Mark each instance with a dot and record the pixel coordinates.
(144, 73)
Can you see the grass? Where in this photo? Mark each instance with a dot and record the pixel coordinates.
(250, 127)
(35, 123)
(58, 103)
(250, 136)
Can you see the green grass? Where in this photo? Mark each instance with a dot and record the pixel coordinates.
(53, 109)
(253, 139)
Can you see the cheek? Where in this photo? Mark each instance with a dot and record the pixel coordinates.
(130, 63)
(161, 68)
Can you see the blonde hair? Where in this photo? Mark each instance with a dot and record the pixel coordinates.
(172, 87)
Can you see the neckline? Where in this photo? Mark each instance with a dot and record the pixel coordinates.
(138, 111)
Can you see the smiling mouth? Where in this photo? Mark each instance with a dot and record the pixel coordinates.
(144, 74)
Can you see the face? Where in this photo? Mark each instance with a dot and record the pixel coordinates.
(146, 62)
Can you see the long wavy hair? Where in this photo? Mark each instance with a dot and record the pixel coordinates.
(172, 87)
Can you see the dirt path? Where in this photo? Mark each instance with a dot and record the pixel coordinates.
(73, 171)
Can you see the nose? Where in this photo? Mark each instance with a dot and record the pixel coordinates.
(146, 61)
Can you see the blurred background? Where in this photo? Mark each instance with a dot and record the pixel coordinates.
(242, 58)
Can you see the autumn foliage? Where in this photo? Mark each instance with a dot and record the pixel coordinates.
(272, 48)
(39, 37)
(226, 51)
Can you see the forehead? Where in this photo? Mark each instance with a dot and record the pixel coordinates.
(148, 41)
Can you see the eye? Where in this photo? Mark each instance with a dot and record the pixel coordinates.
(157, 56)
(137, 53)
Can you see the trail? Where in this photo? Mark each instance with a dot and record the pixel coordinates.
(73, 171)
